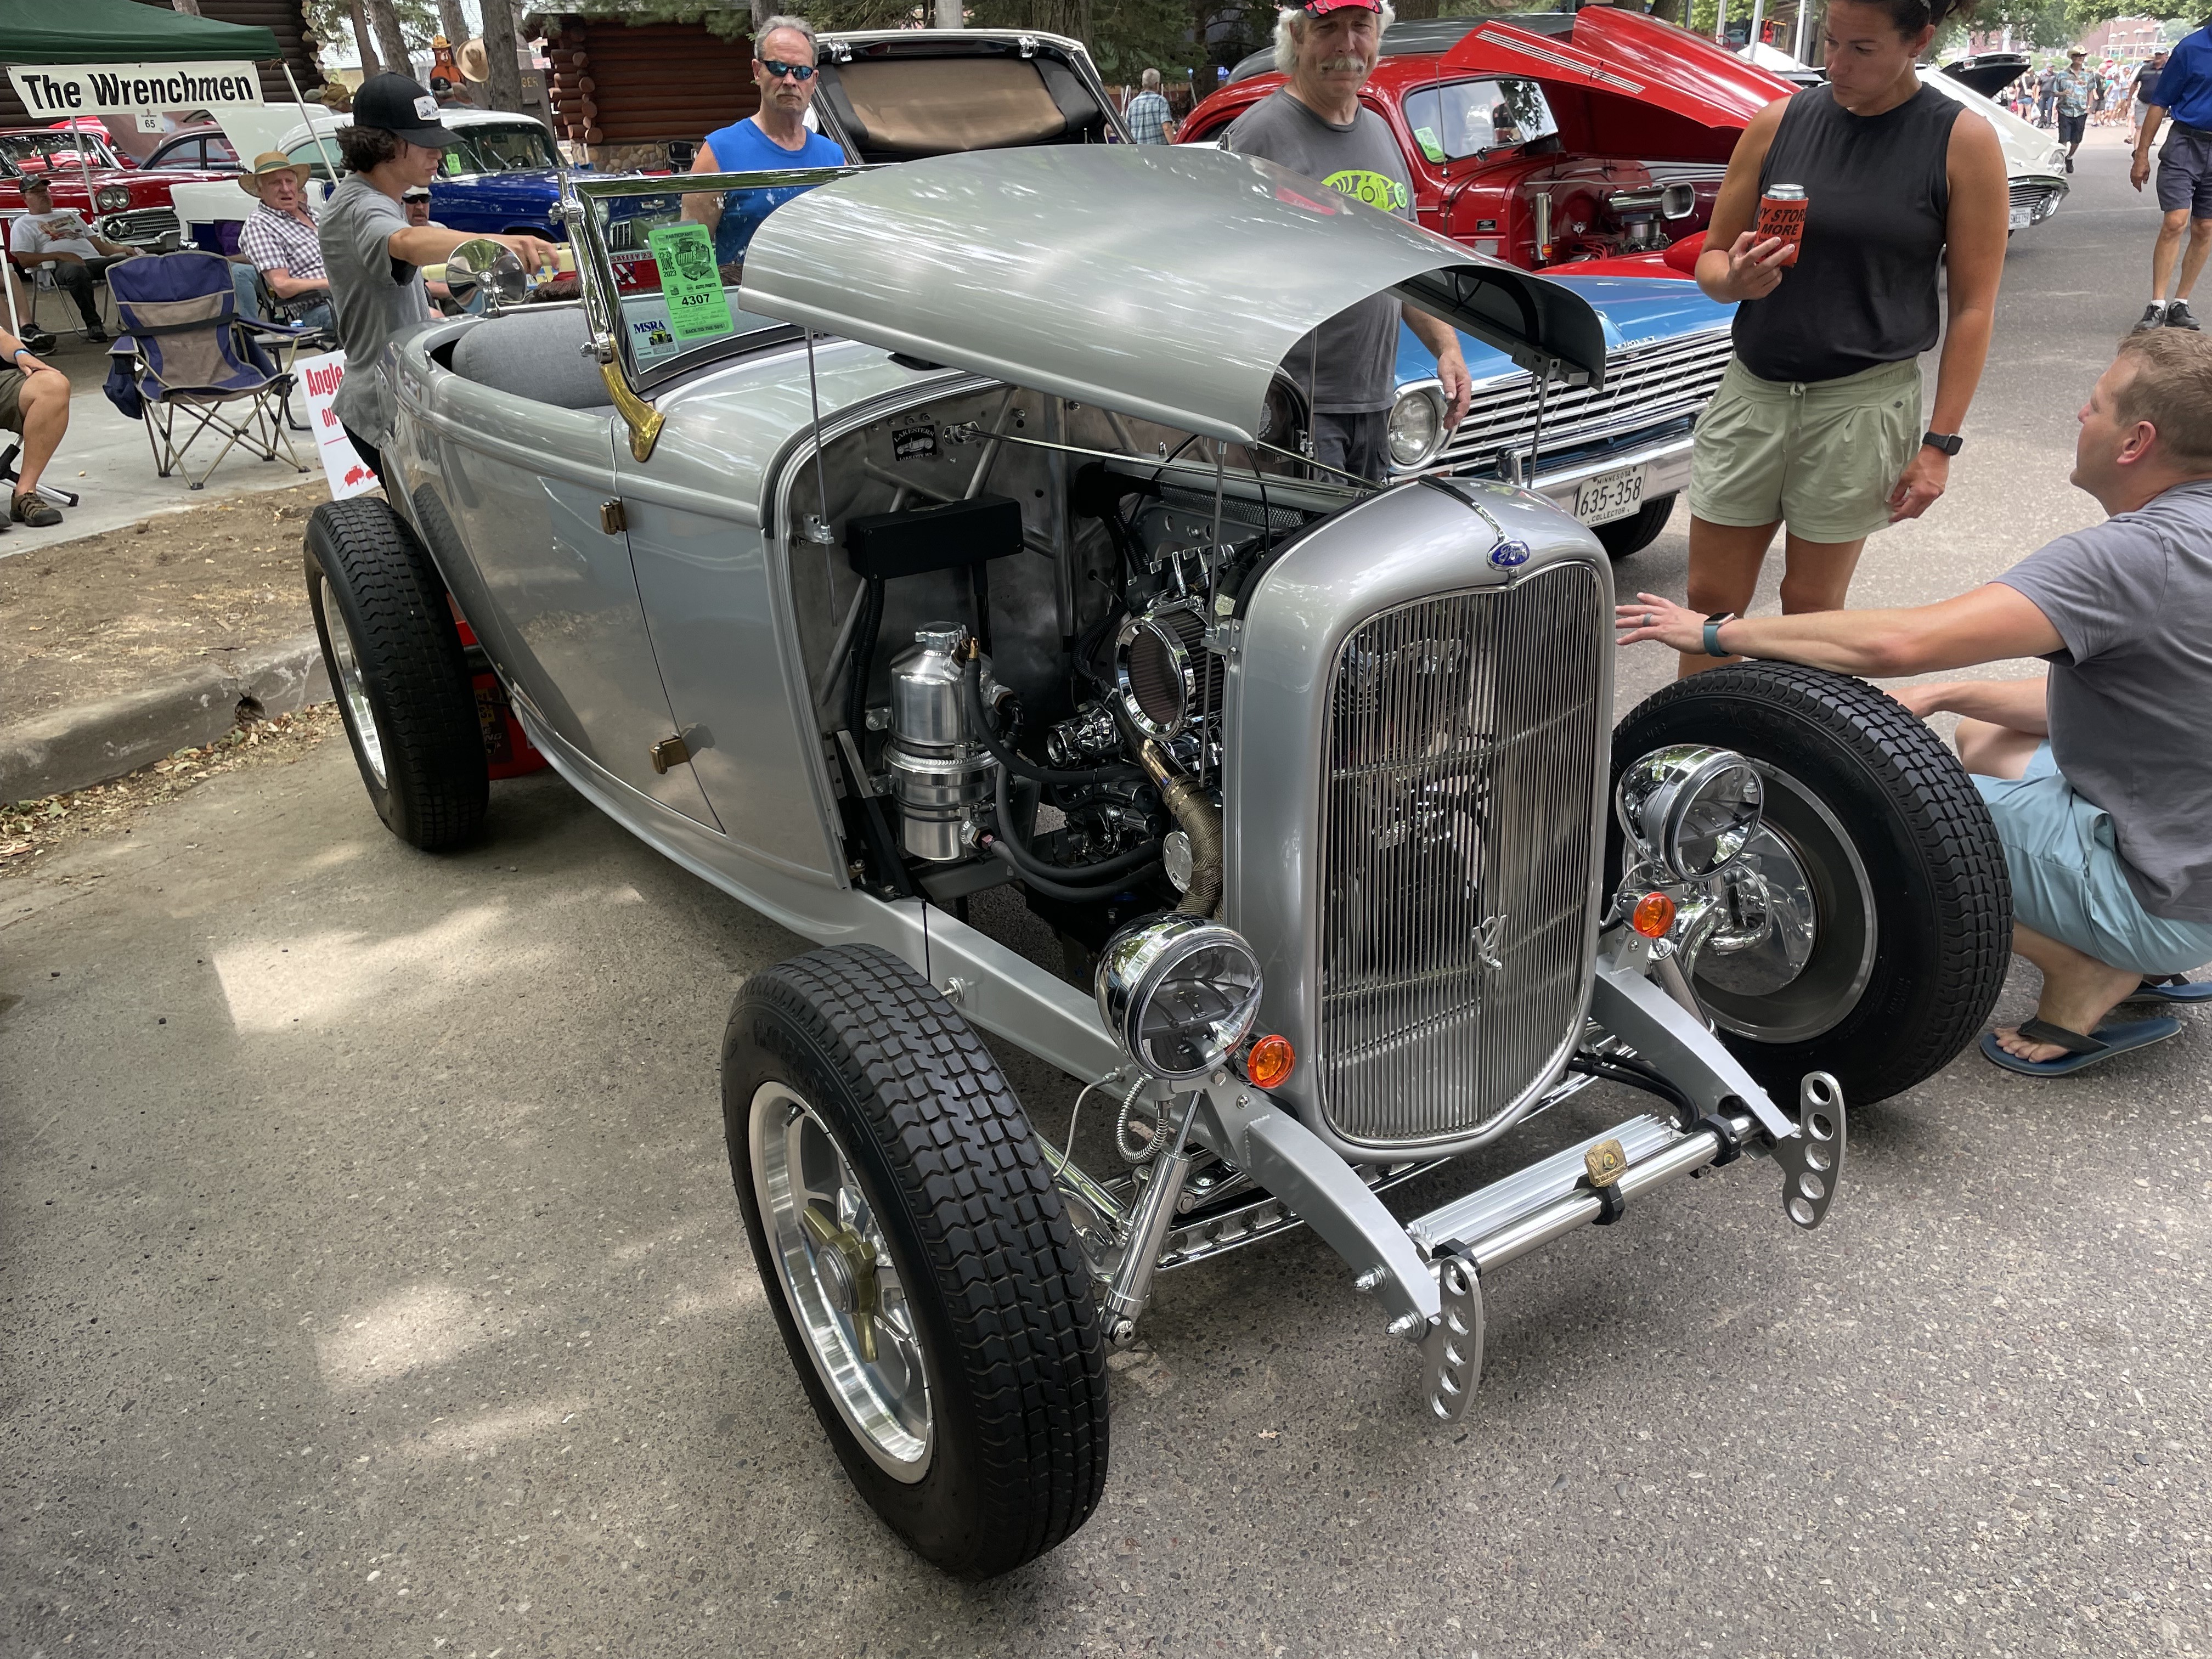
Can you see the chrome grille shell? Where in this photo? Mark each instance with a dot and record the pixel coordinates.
(1395, 558)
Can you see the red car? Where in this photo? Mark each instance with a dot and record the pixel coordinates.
(1598, 135)
(126, 204)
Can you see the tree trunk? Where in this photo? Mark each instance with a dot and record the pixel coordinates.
(390, 44)
(452, 23)
(363, 42)
(503, 75)
(762, 10)
(190, 8)
(1669, 11)
(1409, 9)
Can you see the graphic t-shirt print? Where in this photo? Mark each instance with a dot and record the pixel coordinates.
(1375, 189)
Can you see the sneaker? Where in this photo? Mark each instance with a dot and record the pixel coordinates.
(33, 509)
(2070, 164)
(39, 341)
(98, 335)
(2153, 315)
(2176, 316)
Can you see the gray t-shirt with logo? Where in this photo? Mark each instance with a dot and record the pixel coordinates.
(1351, 360)
(2132, 599)
(374, 295)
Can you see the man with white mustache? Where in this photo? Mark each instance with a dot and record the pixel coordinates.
(1315, 125)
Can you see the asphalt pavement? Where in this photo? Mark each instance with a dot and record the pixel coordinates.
(371, 1284)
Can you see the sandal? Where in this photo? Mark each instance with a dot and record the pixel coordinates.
(2080, 1051)
(2172, 987)
(33, 509)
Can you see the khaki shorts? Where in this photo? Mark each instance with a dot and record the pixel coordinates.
(11, 402)
(1821, 458)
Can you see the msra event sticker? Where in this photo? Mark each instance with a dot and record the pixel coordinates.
(1509, 553)
(697, 308)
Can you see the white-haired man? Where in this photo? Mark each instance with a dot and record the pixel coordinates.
(1314, 125)
(1150, 119)
(774, 138)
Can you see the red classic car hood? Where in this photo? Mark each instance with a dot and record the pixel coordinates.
(1627, 55)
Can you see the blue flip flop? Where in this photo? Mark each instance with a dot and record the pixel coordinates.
(2172, 989)
(2082, 1051)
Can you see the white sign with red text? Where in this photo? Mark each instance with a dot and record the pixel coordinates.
(320, 377)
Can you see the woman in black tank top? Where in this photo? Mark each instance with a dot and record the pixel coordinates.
(1817, 422)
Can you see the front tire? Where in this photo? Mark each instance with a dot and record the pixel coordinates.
(396, 667)
(1637, 532)
(1903, 874)
(932, 1296)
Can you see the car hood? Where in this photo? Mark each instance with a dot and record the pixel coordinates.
(1166, 283)
(1634, 310)
(1628, 55)
(2027, 147)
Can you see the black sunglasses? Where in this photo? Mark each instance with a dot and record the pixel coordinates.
(799, 72)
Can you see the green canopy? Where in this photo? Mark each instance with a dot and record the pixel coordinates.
(123, 32)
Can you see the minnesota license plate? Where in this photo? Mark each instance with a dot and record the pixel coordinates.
(1610, 495)
(2021, 218)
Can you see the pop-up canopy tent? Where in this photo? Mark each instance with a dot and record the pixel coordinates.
(122, 32)
(48, 32)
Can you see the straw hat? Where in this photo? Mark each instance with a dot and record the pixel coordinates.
(273, 161)
(473, 65)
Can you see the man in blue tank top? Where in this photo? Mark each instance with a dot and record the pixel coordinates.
(774, 138)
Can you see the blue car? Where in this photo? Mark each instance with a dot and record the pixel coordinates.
(502, 179)
(1614, 457)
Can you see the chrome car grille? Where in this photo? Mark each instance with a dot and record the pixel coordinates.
(140, 225)
(1646, 386)
(1456, 826)
(2040, 196)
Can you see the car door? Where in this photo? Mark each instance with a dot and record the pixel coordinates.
(532, 485)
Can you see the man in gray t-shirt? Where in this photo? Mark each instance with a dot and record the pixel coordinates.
(374, 256)
(2099, 776)
(1315, 125)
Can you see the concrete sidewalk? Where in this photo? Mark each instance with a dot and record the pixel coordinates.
(106, 460)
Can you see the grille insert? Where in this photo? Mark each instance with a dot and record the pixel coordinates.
(1457, 817)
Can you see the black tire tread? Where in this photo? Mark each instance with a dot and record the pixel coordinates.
(1949, 830)
(1625, 537)
(418, 676)
(982, 1199)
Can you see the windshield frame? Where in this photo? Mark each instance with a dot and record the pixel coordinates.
(77, 140)
(468, 132)
(610, 334)
(1438, 90)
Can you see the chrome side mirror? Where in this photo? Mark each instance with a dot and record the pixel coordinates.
(491, 266)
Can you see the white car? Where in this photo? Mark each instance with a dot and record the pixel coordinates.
(2035, 162)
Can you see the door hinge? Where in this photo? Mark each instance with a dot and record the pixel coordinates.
(614, 518)
(670, 751)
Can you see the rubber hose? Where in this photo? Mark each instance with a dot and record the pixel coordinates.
(1200, 820)
(971, 679)
(1115, 869)
(1001, 851)
(864, 657)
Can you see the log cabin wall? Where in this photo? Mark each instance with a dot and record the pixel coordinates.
(281, 17)
(621, 94)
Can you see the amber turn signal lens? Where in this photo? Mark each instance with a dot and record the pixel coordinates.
(1269, 1063)
(1653, 916)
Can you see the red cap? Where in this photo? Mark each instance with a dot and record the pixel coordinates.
(1322, 8)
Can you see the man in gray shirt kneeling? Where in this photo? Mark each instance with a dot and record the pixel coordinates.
(2099, 776)
(1315, 125)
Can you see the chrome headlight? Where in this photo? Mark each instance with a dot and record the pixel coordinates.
(1417, 427)
(112, 198)
(1178, 993)
(1689, 808)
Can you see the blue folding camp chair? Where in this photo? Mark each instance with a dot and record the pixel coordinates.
(196, 365)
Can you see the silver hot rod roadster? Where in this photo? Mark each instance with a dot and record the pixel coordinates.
(954, 554)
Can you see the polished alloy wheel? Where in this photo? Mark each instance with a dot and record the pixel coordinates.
(841, 1282)
(351, 687)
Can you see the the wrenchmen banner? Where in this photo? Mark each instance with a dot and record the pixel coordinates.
(65, 90)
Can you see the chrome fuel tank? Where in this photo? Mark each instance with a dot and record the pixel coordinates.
(1420, 707)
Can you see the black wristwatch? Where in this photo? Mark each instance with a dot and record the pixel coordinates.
(1950, 444)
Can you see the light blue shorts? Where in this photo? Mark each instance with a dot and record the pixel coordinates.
(2068, 880)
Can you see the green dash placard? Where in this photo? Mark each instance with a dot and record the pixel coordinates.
(697, 307)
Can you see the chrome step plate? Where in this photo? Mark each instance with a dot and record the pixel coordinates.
(1812, 1160)
(1451, 1353)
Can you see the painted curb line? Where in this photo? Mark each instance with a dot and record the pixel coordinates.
(75, 748)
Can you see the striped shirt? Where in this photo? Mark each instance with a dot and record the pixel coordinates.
(280, 242)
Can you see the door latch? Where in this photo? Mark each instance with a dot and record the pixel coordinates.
(670, 751)
(613, 518)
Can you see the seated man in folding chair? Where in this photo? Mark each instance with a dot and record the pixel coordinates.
(374, 256)
(45, 234)
(34, 405)
(280, 239)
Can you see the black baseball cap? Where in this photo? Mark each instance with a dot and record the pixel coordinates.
(403, 107)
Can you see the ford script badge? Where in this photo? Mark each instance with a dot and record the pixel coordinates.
(1509, 553)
